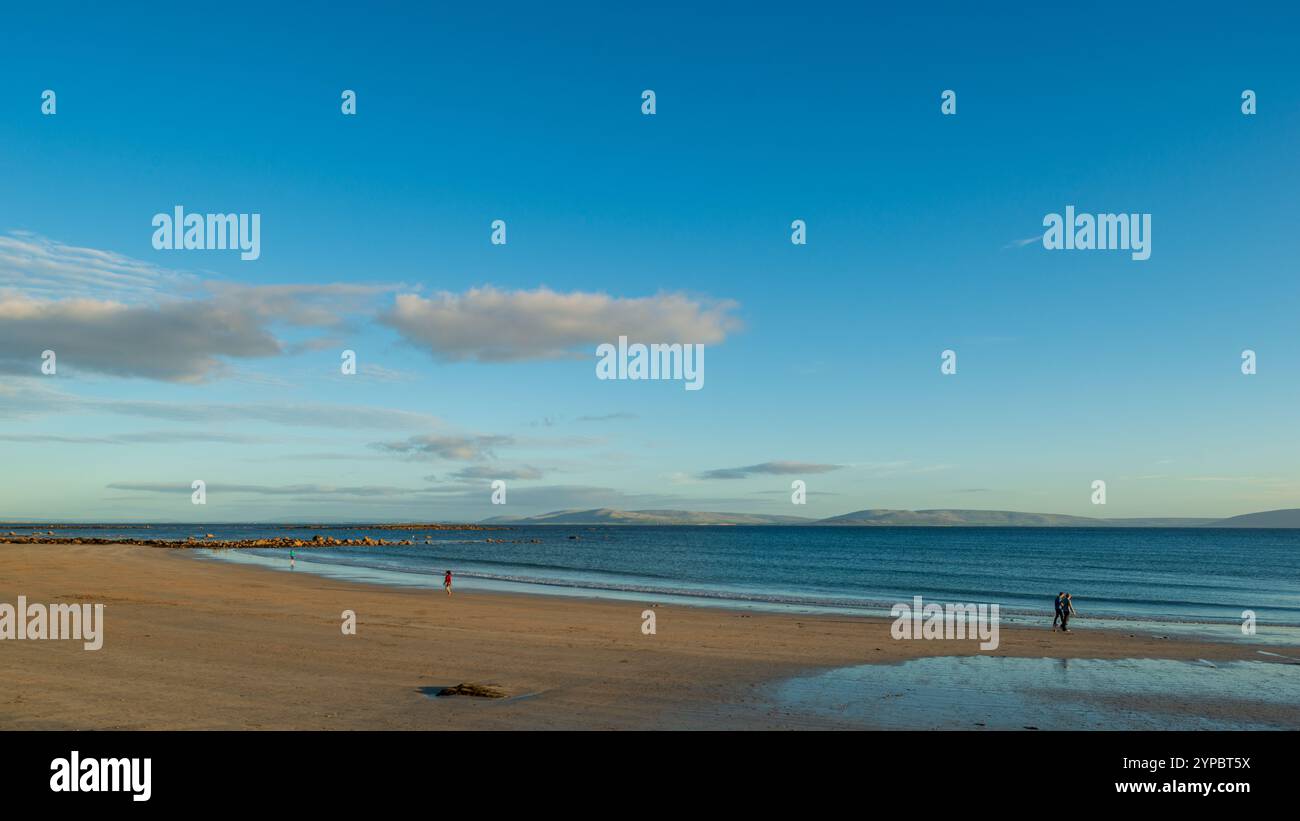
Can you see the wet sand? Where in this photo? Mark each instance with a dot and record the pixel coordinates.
(192, 644)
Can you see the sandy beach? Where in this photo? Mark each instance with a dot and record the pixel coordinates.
(195, 644)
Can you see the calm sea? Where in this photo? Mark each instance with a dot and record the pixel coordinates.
(1189, 576)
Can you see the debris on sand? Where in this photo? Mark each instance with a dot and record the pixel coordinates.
(471, 689)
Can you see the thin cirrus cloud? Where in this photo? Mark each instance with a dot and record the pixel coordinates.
(769, 468)
(24, 399)
(142, 438)
(456, 448)
(1021, 243)
(478, 472)
(492, 325)
(47, 269)
(270, 490)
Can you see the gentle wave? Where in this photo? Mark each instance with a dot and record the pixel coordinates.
(882, 605)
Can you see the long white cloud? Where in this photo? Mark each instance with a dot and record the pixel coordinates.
(492, 325)
(101, 312)
(173, 342)
(459, 448)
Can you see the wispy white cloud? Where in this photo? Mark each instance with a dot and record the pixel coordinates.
(607, 417)
(166, 437)
(771, 468)
(1021, 243)
(43, 268)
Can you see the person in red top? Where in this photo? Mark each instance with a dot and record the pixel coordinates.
(446, 583)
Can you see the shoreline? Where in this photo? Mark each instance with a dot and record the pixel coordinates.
(210, 644)
(199, 543)
(1226, 630)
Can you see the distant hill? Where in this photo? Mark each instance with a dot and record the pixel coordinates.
(958, 518)
(609, 516)
(1267, 518)
(994, 518)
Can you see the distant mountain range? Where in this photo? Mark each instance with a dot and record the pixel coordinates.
(891, 518)
(609, 516)
(1268, 518)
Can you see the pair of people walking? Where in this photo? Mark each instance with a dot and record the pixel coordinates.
(1064, 609)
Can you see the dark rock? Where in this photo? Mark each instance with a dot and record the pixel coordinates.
(471, 689)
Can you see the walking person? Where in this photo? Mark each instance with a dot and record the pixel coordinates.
(446, 582)
(1067, 610)
(291, 558)
(1060, 600)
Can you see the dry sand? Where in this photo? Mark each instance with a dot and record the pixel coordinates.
(203, 644)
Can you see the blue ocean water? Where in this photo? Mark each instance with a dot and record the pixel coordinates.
(1149, 575)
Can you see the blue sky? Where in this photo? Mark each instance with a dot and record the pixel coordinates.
(822, 360)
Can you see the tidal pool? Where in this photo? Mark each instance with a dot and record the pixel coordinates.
(1002, 693)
